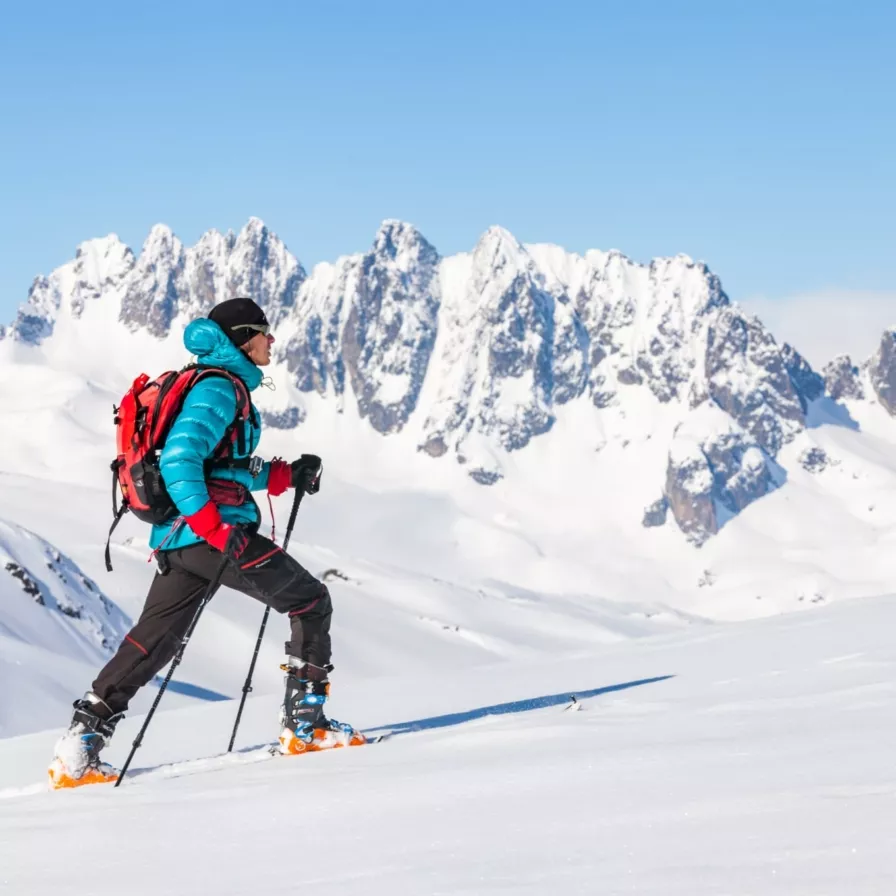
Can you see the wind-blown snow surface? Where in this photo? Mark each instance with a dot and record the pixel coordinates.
(748, 759)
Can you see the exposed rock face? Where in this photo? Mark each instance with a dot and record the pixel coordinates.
(748, 378)
(814, 460)
(391, 328)
(714, 471)
(371, 324)
(287, 419)
(29, 586)
(809, 386)
(154, 289)
(633, 324)
(689, 487)
(882, 371)
(841, 379)
(656, 513)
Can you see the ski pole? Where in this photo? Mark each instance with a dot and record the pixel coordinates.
(209, 593)
(247, 687)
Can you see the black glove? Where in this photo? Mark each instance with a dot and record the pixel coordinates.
(306, 473)
(237, 542)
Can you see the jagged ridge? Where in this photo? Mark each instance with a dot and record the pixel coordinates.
(479, 351)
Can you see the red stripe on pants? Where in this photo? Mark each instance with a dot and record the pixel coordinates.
(264, 557)
(139, 647)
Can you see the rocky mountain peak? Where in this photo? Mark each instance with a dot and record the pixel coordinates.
(255, 226)
(259, 265)
(499, 257)
(882, 371)
(169, 282)
(153, 291)
(395, 236)
(99, 267)
(370, 324)
(842, 379)
(159, 239)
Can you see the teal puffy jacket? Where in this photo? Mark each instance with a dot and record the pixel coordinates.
(210, 407)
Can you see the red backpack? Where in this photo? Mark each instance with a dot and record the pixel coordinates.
(142, 422)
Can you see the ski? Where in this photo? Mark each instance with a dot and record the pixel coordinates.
(274, 748)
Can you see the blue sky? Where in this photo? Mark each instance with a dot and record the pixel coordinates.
(760, 137)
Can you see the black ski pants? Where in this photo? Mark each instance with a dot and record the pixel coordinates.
(264, 571)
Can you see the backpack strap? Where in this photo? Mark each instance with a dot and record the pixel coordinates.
(233, 463)
(155, 436)
(243, 406)
(236, 431)
(115, 522)
(115, 466)
(117, 511)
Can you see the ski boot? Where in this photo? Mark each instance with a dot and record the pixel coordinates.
(305, 728)
(76, 760)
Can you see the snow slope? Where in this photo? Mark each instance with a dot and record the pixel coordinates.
(400, 606)
(747, 759)
(54, 624)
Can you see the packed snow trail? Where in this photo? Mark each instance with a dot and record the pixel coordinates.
(762, 765)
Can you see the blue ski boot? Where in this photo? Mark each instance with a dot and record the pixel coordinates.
(305, 728)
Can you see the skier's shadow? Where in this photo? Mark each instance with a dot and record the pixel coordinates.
(500, 709)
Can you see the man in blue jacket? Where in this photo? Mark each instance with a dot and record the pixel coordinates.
(217, 515)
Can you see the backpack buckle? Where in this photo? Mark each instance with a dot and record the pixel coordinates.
(255, 466)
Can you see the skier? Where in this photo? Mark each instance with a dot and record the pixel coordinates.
(217, 516)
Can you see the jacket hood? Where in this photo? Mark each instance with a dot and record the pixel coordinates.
(205, 339)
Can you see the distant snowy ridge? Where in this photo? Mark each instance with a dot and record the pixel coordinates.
(476, 354)
(47, 601)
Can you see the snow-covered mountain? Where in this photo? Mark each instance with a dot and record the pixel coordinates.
(54, 622)
(83, 621)
(477, 354)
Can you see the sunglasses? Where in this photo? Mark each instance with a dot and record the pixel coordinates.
(259, 328)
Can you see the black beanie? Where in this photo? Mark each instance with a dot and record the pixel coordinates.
(234, 312)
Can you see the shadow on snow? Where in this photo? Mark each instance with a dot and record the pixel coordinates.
(427, 724)
(501, 709)
(191, 690)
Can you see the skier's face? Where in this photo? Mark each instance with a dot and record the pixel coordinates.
(258, 348)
